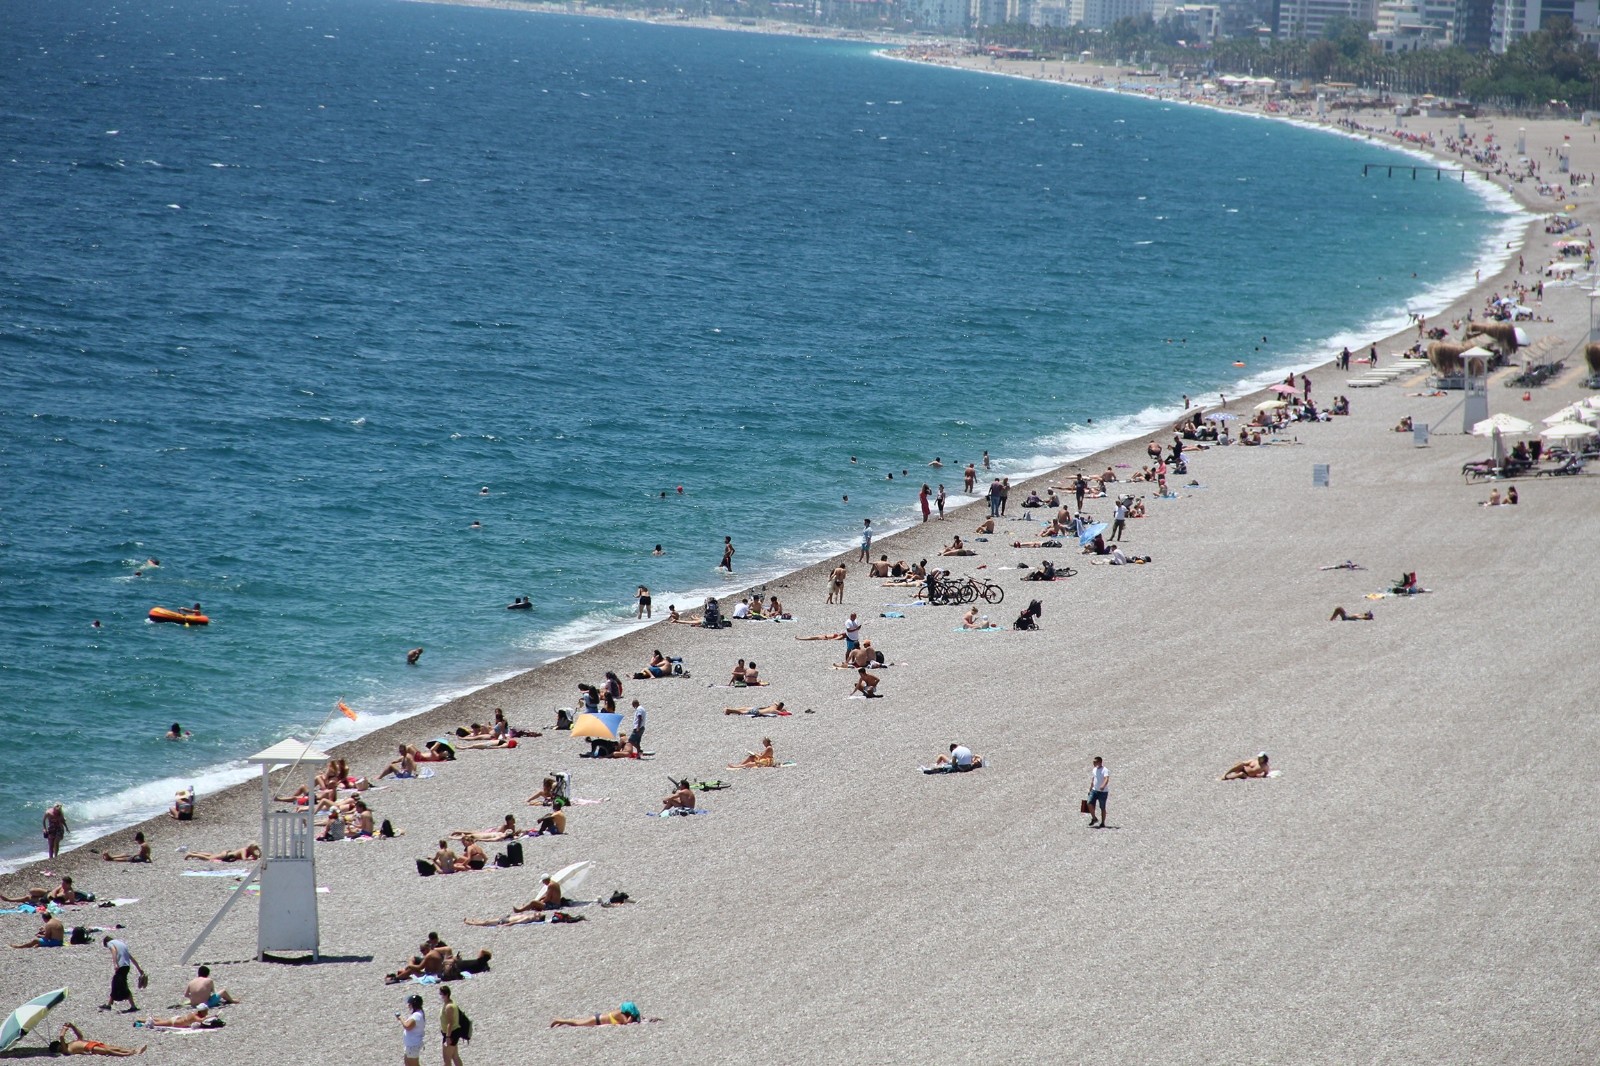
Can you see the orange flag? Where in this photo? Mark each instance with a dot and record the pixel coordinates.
(348, 713)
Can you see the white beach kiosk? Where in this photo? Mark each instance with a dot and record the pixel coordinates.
(287, 869)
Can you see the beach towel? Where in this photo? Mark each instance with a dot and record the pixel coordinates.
(676, 812)
(215, 873)
(256, 887)
(891, 614)
(588, 802)
(984, 629)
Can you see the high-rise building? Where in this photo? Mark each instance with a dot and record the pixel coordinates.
(1307, 19)
(1512, 20)
(1471, 25)
(1100, 14)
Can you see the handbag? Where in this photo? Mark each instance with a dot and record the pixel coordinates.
(1084, 807)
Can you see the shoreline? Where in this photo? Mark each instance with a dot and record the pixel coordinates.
(1369, 885)
(233, 775)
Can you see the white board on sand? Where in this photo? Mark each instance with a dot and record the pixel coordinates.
(570, 877)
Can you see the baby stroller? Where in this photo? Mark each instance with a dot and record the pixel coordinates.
(1029, 618)
(713, 614)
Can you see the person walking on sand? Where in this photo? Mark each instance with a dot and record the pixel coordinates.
(411, 1022)
(55, 828)
(866, 541)
(836, 585)
(727, 555)
(939, 500)
(122, 961)
(450, 1027)
(1118, 522)
(1080, 485)
(643, 596)
(1099, 785)
(922, 501)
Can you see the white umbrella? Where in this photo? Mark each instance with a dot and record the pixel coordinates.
(1593, 401)
(1270, 405)
(1477, 352)
(1570, 413)
(1501, 423)
(22, 1020)
(1569, 431)
(1518, 332)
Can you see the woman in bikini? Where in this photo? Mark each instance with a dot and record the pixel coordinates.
(77, 1045)
(752, 760)
(248, 853)
(627, 1014)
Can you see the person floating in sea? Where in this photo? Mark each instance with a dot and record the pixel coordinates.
(412, 656)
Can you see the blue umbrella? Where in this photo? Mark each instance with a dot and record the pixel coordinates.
(598, 725)
(22, 1020)
(1091, 532)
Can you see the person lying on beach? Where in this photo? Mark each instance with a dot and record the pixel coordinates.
(77, 1045)
(202, 991)
(182, 808)
(1046, 543)
(497, 744)
(866, 684)
(403, 767)
(434, 751)
(249, 853)
(548, 899)
(674, 616)
(142, 855)
(1119, 559)
(199, 1018)
(434, 962)
(771, 710)
(1346, 565)
(1341, 615)
(823, 636)
(50, 935)
(1404, 425)
(1256, 767)
(627, 1014)
(553, 824)
(680, 799)
(36, 897)
(659, 666)
(506, 831)
(986, 526)
(961, 759)
(957, 548)
(531, 918)
(546, 796)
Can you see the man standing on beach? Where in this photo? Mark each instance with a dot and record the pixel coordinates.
(727, 555)
(1099, 785)
(866, 539)
(970, 476)
(995, 489)
(636, 735)
(1080, 485)
(836, 585)
(1119, 521)
(122, 961)
(852, 634)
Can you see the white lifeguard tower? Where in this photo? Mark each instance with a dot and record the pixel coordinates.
(287, 869)
(1474, 386)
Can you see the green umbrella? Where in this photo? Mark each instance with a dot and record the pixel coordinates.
(22, 1020)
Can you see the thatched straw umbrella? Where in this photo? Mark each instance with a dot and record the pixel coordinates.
(1446, 357)
(1504, 332)
(1592, 354)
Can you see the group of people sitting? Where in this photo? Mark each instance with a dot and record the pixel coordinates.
(751, 607)
(437, 959)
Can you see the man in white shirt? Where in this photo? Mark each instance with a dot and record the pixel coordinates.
(1099, 785)
(637, 733)
(852, 634)
(960, 759)
(743, 609)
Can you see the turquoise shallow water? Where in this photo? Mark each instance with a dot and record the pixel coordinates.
(286, 286)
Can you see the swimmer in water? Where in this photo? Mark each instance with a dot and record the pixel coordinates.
(152, 561)
(177, 732)
(412, 656)
(95, 624)
(521, 603)
(484, 491)
(476, 525)
(659, 550)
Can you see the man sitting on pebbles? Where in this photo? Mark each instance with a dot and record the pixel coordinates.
(1256, 767)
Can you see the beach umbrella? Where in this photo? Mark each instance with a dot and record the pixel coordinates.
(1270, 405)
(1224, 416)
(22, 1020)
(1571, 413)
(570, 877)
(1569, 431)
(600, 726)
(1501, 423)
(1091, 532)
(1282, 390)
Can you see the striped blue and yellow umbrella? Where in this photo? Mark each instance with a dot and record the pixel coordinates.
(21, 1021)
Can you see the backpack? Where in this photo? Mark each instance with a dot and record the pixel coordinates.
(80, 935)
(425, 868)
(463, 1025)
(386, 829)
(514, 853)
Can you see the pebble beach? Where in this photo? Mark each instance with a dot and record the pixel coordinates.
(1412, 887)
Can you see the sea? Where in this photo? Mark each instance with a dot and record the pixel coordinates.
(354, 320)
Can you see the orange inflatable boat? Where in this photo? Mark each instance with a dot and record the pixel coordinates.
(188, 618)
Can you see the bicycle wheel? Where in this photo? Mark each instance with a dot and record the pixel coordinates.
(993, 593)
(969, 592)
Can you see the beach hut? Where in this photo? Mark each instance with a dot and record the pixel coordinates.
(1503, 332)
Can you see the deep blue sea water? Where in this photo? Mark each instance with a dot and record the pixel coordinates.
(284, 285)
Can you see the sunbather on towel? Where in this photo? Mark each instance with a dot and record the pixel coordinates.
(1341, 615)
(753, 761)
(960, 759)
(680, 799)
(199, 1018)
(248, 853)
(627, 1014)
(507, 830)
(1256, 767)
(77, 1045)
(771, 710)
(548, 899)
